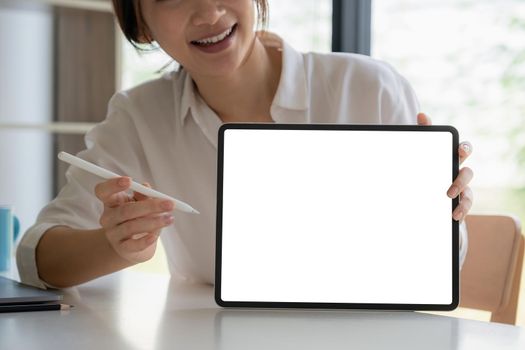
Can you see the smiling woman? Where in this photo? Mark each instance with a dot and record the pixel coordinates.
(165, 133)
(308, 27)
(188, 31)
(129, 16)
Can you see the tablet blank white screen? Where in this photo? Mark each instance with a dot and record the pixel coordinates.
(337, 216)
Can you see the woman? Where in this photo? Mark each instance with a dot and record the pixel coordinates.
(164, 133)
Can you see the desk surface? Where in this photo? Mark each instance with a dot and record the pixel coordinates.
(130, 310)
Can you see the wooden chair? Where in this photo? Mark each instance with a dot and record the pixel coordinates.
(491, 274)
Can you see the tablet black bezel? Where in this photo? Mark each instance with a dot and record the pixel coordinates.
(359, 127)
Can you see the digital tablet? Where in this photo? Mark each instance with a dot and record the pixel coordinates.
(12, 292)
(337, 216)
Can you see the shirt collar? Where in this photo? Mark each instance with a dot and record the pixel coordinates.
(188, 100)
(291, 92)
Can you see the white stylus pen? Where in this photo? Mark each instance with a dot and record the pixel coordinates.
(106, 174)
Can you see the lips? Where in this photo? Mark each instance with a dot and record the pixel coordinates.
(215, 39)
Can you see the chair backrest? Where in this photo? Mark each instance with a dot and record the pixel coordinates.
(491, 274)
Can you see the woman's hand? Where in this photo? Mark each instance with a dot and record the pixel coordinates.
(132, 224)
(460, 185)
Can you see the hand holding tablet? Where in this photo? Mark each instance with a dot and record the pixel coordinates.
(460, 186)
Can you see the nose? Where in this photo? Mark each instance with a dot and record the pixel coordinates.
(207, 12)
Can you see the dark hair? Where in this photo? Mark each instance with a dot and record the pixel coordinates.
(133, 25)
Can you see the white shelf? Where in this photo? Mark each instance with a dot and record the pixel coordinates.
(56, 128)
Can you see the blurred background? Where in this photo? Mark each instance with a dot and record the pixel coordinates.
(61, 60)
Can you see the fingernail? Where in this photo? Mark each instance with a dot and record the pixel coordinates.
(123, 181)
(466, 147)
(453, 192)
(168, 219)
(458, 215)
(167, 205)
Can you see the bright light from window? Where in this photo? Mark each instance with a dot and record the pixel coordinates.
(305, 25)
(466, 61)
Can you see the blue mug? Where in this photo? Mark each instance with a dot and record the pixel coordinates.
(9, 229)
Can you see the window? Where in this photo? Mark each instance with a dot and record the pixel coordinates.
(307, 27)
(26, 33)
(466, 62)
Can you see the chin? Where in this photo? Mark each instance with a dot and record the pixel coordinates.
(222, 64)
(218, 68)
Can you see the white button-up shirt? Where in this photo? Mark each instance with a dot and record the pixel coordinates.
(162, 132)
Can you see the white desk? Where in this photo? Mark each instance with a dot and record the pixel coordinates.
(137, 311)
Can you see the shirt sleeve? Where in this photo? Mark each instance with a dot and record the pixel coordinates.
(463, 243)
(113, 144)
(399, 102)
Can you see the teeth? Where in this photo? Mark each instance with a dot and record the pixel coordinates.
(215, 39)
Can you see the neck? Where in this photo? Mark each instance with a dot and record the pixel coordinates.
(245, 95)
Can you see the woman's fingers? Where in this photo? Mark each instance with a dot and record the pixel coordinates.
(465, 175)
(139, 196)
(135, 210)
(138, 245)
(142, 208)
(461, 182)
(120, 207)
(465, 150)
(423, 119)
(113, 191)
(132, 223)
(464, 205)
(460, 187)
(149, 224)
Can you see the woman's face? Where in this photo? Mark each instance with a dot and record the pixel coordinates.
(207, 37)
